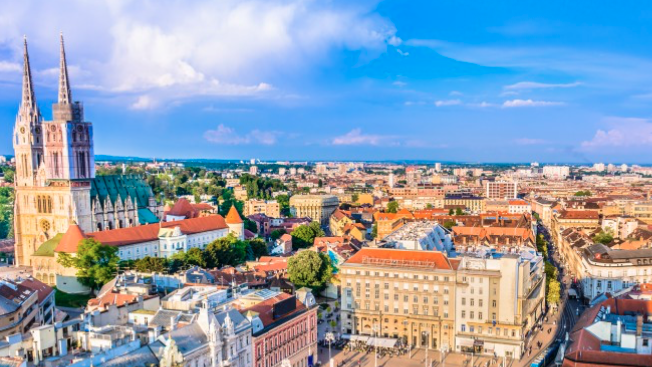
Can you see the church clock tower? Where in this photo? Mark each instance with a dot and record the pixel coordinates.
(54, 166)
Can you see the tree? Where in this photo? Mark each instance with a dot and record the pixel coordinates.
(355, 198)
(554, 290)
(150, 264)
(310, 269)
(277, 233)
(195, 256)
(258, 247)
(542, 246)
(225, 251)
(451, 212)
(392, 207)
(603, 237)
(374, 230)
(449, 224)
(250, 225)
(304, 235)
(583, 193)
(458, 211)
(284, 204)
(96, 263)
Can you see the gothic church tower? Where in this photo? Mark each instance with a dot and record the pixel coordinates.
(54, 166)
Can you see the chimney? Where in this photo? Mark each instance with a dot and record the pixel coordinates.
(639, 324)
(173, 323)
(618, 331)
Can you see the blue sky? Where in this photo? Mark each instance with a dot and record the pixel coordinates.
(552, 81)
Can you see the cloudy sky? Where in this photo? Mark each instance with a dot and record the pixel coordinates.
(552, 81)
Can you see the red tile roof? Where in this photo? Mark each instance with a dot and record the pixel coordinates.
(232, 217)
(436, 258)
(579, 214)
(43, 289)
(70, 239)
(149, 232)
(265, 309)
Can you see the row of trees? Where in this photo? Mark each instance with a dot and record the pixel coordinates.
(97, 264)
(6, 212)
(310, 269)
(553, 287)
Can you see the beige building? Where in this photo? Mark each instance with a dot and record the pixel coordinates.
(317, 207)
(403, 294)
(270, 208)
(498, 301)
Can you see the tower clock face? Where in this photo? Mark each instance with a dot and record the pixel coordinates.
(22, 129)
(38, 130)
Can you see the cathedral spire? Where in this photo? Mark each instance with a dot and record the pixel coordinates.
(28, 103)
(65, 97)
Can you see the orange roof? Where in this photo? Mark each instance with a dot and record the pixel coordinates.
(232, 217)
(265, 309)
(70, 239)
(440, 260)
(149, 232)
(110, 298)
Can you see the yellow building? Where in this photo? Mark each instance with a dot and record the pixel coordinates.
(399, 294)
(317, 207)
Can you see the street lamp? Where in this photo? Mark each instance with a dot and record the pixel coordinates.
(376, 330)
(329, 338)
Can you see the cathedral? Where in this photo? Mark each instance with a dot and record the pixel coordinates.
(55, 174)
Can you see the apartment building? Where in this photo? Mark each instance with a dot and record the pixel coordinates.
(270, 208)
(470, 202)
(401, 294)
(585, 219)
(317, 207)
(499, 297)
(20, 308)
(501, 189)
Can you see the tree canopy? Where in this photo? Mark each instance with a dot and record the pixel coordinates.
(310, 269)
(225, 251)
(392, 207)
(603, 237)
(96, 263)
(304, 235)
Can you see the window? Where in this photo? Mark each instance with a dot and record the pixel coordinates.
(471, 313)
(493, 303)
(463, 301)
(463, 314)
(472, 302)
(479, 315)
(480, 302)
(463, 328)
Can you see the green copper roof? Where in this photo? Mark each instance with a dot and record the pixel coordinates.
(124, 185)
(47, 248)
(145, 216)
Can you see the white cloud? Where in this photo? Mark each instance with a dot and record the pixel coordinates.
(172, 50)
(448, 102)
(535, 85)
(356, 137)
(530, 141)
(529, 103)
(394, 41)
(144, 103)
(6, 67)
(482, 104)
(455, 93)
(402, 53)
(228, 136)
(399, 83)
(622, 132)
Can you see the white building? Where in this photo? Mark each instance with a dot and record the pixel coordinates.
(426, 235)
(556, 172)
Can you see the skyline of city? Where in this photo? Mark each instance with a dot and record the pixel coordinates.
(373, 81)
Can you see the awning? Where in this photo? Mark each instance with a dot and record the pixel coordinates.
(359, 338)
(465, 342)
(382, 342)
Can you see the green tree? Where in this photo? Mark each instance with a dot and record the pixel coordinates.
(310, 269)
(250, 225)
(583, 193)
(225, 251)
(451, 212)
(195, 256)
(284, 204)
(150, 265)
(458, 211)
(553, 292)
(304, 235)
(542, 246)
(392, 207)
(276, 234)
(374, 230)
(603, 237)
(258, 247)
(449, 224)
(96, 263)
(6, 212)
(355, 197)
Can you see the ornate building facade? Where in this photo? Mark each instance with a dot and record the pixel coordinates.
(55, 174)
